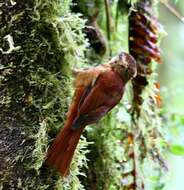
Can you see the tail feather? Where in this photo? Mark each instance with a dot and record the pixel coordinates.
(69, 151)
(61, 152)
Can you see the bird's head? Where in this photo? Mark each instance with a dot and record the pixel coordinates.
(125, 65)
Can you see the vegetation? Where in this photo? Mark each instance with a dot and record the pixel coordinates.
(41, 41)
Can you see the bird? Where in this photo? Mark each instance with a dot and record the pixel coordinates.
(97, 91)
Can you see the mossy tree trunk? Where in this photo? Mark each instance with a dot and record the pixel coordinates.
(40, 40)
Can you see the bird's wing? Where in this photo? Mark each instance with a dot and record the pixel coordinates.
(105, 92)
(83, 84)
(92, 101)
(73, 109)
(95, 105)
(95, 102)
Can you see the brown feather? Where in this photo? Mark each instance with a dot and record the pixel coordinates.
(61, 152)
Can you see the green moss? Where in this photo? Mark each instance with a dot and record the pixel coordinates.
(41, 41)
(105, 156)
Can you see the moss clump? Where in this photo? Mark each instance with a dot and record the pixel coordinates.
(105, 156)
(40, 42)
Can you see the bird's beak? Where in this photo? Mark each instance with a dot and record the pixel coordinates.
(135, 73)
(113, 60)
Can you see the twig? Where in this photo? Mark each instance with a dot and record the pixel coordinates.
(173, 10)
(108, 24)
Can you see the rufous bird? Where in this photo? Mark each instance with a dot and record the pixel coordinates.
(97, 91)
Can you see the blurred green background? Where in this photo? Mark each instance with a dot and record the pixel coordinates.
(171, 77)
(171, 72)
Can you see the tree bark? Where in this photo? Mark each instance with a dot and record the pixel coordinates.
(39, 42)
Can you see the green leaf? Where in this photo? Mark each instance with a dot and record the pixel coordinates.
(177, 149)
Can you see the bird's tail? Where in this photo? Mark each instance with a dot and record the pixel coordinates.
(62, 150)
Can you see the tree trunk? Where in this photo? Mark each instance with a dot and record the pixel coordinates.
(39, 42)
